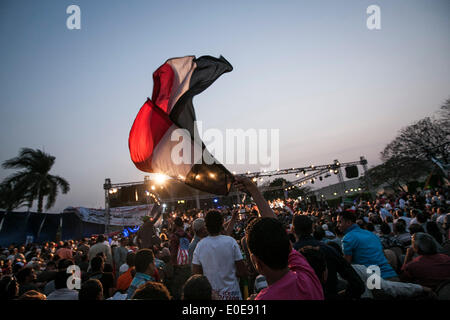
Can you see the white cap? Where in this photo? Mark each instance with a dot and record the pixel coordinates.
(260, 283)
(123, 268)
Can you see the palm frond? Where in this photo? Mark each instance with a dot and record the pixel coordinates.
(33, 182)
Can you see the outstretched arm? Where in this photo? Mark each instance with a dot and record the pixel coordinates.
(230, 226)
(245, 184)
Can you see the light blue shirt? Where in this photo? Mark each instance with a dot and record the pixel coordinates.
(138, 280)
(366, 249)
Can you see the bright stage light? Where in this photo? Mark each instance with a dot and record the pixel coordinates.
(160, 178)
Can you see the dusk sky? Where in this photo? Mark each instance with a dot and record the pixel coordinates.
(312, 69)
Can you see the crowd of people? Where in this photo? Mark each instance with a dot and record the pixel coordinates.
(395, 246)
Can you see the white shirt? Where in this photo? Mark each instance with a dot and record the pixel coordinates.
(392, 288)
(217, 256)
(441, 217)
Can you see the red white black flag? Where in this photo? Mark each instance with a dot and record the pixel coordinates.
(155, 136)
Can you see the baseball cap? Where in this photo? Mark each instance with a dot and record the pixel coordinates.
(123, 268)
(260, 283)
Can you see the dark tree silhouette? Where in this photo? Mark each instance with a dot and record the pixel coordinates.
(421, 141)
(33, 182)
(397, 172)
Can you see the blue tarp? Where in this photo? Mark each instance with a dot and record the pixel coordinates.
(20, 225)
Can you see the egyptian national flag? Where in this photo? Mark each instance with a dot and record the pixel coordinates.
(175, 84)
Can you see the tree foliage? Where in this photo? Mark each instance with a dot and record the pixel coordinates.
(420, 141)
(415, 151)
(396, 172)
(32, 182)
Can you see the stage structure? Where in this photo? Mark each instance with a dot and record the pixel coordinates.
(171, 191)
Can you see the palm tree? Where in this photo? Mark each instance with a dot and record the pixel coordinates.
(33, 182)
(8, 200)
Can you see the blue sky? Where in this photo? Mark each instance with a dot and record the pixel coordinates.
(312, 69)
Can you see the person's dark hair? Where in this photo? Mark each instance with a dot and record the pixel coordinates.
(92, 289)
(399, 227)
(32, 295)
(434, 231)
(197, 287)
(385, 228)
(178, 222)
(273, 250)
(370, 227)
(421, 217)
(414, 228)
(302, 225)
(63, 264)
(101, 254)
(335, 246)
(8, 288)
(424, 243)
(319, 233)
(101, 238)
(50, 264)
(96, 263)
(213, 221)
(131, 256)
(61, 279)
(152, 291)
(414, 212)
(23, 274)
(348, 216)
(316, 260)
(144, 257)
(16, 268)
(107, 267)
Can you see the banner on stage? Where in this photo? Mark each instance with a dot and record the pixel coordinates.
(120, 216)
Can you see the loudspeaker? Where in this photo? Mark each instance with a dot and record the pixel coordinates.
(351, 172)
